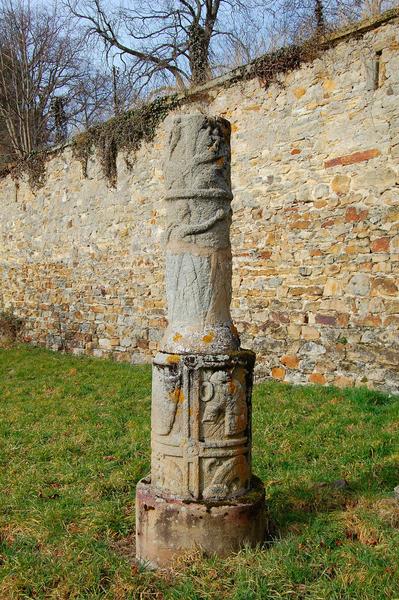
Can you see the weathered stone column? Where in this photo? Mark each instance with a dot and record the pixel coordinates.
(201, 492)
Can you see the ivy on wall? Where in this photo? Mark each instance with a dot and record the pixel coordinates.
(267, 68)
(125, 132)
(34, 167)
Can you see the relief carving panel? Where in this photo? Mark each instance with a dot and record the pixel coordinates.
(202, 447)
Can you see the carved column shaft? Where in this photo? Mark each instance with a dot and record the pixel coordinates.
(201, 391)
(198, 250)
(201, 415)
(202, 380)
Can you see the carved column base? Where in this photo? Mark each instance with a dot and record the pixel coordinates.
(201, 424)
(167, 526)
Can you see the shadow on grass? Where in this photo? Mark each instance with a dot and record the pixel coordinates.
(302, 505)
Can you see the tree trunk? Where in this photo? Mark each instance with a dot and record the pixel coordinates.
(319, 14)
(198, 48)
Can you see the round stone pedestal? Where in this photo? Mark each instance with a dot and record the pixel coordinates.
(167, 526)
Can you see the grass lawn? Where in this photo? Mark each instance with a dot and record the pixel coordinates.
(75, 439)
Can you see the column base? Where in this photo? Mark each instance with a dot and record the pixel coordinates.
(167, 526)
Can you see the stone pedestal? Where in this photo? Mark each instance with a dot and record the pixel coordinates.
(201, 492)
(167, 526)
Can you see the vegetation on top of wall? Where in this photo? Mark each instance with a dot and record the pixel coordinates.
(125, 132)
(268, 67)
(34, 167)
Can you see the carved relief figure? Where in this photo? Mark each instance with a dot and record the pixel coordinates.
(167, 395)
(236, 420)
(182, 228)
(199, 152)
(229, 479)
(212, 395)
(225, 412)
(166, 472)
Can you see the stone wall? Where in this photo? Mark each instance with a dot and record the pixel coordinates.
(315, 231)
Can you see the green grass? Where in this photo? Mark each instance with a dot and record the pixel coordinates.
(74, 440)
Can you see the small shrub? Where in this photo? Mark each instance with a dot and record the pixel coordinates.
(10, 325)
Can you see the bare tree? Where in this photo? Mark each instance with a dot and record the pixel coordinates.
(99, 95)
(166, 40)
(49, 83)
(296, 20)
(39, 60)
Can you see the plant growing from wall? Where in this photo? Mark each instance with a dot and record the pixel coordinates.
(10, 326)
(34, 167)
(267, 68)
(126, 131)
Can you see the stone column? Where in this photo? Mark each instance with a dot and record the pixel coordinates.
(201, 492)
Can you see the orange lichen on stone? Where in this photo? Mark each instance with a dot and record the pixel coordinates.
(177, 337)
(317, 378)
(177, 395)
(209, 337)
(278, 373)
(173, 359)
(290, 361)
(296, 151)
